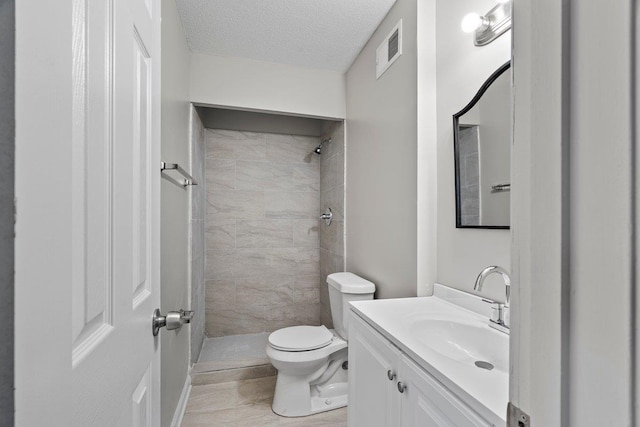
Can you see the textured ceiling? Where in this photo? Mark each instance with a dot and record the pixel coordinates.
(324, 34)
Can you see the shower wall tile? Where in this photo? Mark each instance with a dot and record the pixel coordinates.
(279, 290)
(252, 175)
(250, 262)
(307, 296)
(220, 264)
(220, 234)
(308, 262)
(251, 293)
(309, 314)
(197, 238)
(236, 204)
(292, 204)
(282, 316)
(220, 174)
(261, 228)
(289, 148)
(225, 144)
(275, 233)
(293, 176)
(221, 294)
(331, 196)
(336, 133)
(280, 261)
(305, 233)
(196, 234)
(329, 173)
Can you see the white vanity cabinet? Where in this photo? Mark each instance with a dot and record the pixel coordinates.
(388, 389)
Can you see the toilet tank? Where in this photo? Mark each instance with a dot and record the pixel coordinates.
(343, 288)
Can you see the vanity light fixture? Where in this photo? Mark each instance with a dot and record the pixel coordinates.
(489, 27)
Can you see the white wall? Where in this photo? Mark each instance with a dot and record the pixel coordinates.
(381, 167)
(461, 70)
(256, 85)
(427, 149)
(174, 207)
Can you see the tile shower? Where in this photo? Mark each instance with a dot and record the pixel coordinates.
(263, 201)
(266, 252)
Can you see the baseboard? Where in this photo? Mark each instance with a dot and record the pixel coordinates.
(182, 403)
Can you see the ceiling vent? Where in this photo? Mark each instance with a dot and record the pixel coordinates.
(389, 50)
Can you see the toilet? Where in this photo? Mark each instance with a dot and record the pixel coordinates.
(312, 360)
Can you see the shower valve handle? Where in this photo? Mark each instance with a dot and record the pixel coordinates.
(328, 216)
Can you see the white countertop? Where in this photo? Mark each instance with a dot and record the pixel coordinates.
(487, 392)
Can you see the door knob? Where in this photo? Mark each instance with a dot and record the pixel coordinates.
(173, 320)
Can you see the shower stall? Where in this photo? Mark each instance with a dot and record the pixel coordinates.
(260, 253)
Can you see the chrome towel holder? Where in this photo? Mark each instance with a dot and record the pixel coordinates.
(188, 179)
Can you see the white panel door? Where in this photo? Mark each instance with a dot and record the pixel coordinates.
(92, 246)
(374, 400)
(116, 211)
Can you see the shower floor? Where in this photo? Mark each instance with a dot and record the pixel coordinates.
(233, 352)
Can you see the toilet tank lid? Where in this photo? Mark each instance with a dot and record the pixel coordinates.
(349, 283)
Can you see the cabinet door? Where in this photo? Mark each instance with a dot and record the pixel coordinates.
(374, 400)
(426, 403)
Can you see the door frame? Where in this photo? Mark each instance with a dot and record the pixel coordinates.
(574, 257)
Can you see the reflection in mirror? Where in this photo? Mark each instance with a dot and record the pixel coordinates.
(482, 146)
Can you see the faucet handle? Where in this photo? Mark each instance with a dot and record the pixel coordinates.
(497, 310)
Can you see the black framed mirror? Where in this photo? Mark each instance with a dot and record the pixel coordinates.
(482, 150)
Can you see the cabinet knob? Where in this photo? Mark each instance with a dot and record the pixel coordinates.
(401, 387)
(391, 375)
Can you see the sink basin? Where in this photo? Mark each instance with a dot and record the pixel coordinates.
(465, 342)
(448, 335)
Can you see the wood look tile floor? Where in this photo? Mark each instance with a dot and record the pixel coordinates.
(247, 403)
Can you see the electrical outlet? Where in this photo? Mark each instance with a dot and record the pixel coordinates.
(516, 417)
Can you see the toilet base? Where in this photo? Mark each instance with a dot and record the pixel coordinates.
(312, 400)
(299, 396)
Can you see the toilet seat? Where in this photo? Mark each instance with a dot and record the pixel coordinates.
(300, 338)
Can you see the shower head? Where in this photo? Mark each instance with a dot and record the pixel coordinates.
(318, 149)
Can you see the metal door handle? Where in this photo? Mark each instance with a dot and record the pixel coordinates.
(401, 387)
(173, 320)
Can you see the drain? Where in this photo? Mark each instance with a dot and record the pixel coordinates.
(484, 365)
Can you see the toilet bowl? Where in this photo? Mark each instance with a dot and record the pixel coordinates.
(311, 360)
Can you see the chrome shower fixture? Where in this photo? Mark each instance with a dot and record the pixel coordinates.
(318, 149)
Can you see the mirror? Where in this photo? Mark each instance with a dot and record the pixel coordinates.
(482, 147)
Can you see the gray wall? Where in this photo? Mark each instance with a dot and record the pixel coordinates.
(196, 236)
(381, 187)
(461, 69)
(331, 196)
(174, 206)
(262, 261)
(7, 144)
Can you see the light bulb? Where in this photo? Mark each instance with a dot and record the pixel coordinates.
(471, 22)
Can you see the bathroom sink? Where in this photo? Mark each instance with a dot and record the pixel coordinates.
(465, 342)
(448, 335)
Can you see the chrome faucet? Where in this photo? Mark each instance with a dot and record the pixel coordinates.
(500, 319)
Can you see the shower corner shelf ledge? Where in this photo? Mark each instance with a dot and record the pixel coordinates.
(188, 179)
